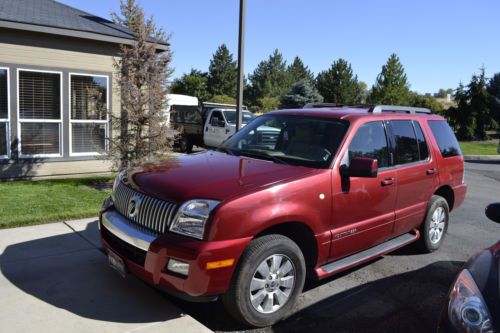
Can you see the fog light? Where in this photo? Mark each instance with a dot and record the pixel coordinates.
(177, 266)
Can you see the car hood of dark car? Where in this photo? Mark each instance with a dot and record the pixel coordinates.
(210, 175)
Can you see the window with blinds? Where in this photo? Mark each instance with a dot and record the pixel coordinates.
(4, 112)
(39, 95)
(89, 114)
(40, 118)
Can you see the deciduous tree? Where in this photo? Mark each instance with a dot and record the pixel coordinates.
(193, 83)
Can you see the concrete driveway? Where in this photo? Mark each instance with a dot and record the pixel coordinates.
(54, 278)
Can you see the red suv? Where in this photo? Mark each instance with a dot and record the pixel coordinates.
(295, 193)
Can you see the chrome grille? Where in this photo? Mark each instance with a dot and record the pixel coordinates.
(153, 214)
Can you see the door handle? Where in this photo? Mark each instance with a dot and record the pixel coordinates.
(431, 171)
(387, 181)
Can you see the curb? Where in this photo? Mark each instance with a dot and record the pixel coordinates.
(482, 158)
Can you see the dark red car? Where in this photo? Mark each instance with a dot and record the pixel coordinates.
(295, 193)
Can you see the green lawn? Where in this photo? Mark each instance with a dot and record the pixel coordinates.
(479, 148)
(35, 202)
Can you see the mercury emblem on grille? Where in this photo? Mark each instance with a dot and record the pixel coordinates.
(133, 206)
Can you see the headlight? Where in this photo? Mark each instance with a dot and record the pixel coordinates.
(467, 310)
(191, 217)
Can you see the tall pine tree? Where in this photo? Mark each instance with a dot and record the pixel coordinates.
(222, 73)
(269, 79)
(298, 71)
(338, 84)
(391, 86)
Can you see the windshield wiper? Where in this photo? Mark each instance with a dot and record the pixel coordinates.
(261, 154)
(225, 150)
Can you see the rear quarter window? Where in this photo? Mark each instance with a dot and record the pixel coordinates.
(445, 138)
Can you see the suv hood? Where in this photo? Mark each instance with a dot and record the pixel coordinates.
(210, 175)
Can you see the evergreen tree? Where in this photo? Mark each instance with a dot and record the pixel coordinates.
(480, 105)
(461, 117)
(338, 84)
(193, 83)
(301, 93)
(142, 75)
(494, 90)
(391, 86)
(222, 73)
(269, 79)
(298, 71)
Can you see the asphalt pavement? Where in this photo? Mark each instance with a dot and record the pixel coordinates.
(401, 292)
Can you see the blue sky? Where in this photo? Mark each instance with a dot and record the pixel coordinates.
(440, 43)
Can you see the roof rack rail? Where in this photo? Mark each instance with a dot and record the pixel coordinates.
(397, 108)
(374, 108)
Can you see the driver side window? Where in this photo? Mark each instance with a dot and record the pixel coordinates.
(370, 141)
(216, 119)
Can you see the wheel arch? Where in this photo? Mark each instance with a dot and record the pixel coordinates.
(447, 193)
(302, 235)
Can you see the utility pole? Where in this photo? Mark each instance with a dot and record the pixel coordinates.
(241, 47)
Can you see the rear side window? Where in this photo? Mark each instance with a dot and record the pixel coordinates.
(406, 141)
(446, 140)
(370, 141)
(423, 149)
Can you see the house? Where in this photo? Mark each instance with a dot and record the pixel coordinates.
(57, 83)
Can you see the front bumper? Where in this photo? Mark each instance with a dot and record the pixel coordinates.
(146, 255)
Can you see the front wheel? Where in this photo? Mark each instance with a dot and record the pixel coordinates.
(267, 282)
(435, 225)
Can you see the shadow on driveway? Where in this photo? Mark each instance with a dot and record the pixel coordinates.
(71, 273)
(407, 302)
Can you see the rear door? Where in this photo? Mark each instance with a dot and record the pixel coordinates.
(363, 208)
(416, 173)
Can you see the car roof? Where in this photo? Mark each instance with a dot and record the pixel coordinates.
(354, 113)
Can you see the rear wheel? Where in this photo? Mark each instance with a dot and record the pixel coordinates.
(267, 282)
(435, 225)
(185, 145)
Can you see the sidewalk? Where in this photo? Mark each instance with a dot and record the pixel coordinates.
(54, 278)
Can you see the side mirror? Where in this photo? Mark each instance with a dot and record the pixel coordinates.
(493, 212)
(360, 167)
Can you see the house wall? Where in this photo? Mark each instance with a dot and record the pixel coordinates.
(37, 51)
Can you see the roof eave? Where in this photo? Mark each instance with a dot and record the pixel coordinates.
(74, 33)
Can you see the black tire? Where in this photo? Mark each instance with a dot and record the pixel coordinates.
(185, 145)
(427, 242)
(263, 250)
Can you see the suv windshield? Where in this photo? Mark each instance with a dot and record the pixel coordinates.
(231, 117)
(298, 140)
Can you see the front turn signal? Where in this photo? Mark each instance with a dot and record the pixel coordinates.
(220, 263)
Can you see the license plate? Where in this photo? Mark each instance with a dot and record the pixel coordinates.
(117, 263)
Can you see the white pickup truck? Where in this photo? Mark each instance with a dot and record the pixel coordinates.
(205, 125)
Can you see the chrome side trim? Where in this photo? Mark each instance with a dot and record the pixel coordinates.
(126, 231)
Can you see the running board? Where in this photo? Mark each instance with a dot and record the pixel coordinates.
(369, 254)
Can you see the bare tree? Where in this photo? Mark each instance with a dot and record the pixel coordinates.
(142, 73)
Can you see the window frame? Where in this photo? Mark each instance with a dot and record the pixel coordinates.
(388, 140)
(39, 121)
(394, 144)
(88, 121)
(6, 121)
